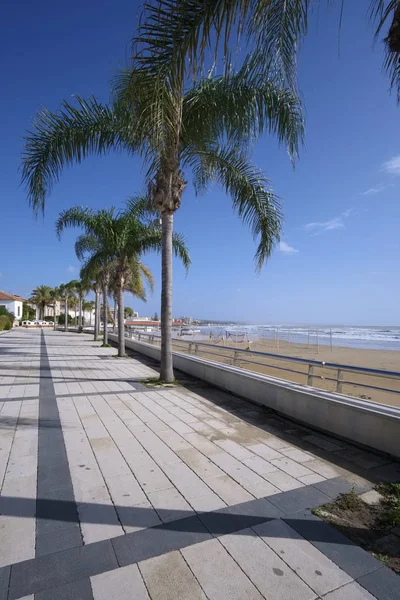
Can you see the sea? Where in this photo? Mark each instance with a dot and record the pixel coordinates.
(372, 338)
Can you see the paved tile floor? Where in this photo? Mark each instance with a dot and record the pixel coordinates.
(112, 490)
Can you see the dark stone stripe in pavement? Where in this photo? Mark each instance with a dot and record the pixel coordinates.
(4, 581)
(53, 479)
(78, 590)
(331, 542)
(53, 570)
(383, 583)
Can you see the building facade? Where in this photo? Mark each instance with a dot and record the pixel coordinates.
(14, 304)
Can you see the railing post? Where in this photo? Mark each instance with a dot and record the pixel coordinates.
(236, 362)
(196, 348)
(310, 375)
(339, 381)
(190, 348)
(138, 337)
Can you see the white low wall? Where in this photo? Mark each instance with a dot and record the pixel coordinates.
(368, 423)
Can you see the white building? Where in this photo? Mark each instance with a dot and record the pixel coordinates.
(12, 303)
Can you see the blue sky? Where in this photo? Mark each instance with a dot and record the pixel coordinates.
(338, 260)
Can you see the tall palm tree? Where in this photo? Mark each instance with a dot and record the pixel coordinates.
(175, 33)
(205, 128)
(55, 298)
(128, 312)
(67, 294)
(81, 288)
(41, 297)
(115, 241)
(88, 306)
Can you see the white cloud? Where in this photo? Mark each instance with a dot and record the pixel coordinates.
(392, 166)
(286, 249)
(377, 189)
(335, 223)
(71, 269)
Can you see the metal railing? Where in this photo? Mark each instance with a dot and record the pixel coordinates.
(314, 373)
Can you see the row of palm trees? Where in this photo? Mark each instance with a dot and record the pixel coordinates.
(166, 111)
(71, 293)
(111, 247)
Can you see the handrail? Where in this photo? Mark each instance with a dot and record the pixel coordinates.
(323, 364)
(240, 354)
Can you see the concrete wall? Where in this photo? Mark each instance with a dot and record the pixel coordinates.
(368, 423)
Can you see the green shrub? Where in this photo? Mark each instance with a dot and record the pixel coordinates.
(5, 323)
(61, 319)
(6, 313)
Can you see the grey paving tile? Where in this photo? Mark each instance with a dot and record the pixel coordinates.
(218, 574)
(52, 570)
(4, 581)
(318, 572)
(77, 590)
(58, 540)
(383, 583)
(134, 547)
(269, 573)
(340, 485)
(241, 516)
(124, 583)
(348, 556)
(168, 577)
(350, 591)
(296, 500)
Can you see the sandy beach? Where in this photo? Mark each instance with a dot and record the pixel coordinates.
(388, 360)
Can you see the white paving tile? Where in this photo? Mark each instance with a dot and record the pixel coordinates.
(318, 572)
(125, 583)
(168, 577)
(269, 573)
(218, 574)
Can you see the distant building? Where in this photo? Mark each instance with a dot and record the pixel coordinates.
(13, 304)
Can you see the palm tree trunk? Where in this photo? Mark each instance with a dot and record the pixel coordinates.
(121, 324)
(115, 314)
(80, 314)
(166, 372)
(66, 315)
(105, 314)
(96, 314)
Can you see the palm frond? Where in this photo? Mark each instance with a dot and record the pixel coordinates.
(173, 30)
(139, 208)
(180, 249)
(277, 28)
(86, 244)
(241, 107)
(66, 137)
(253, 200)
(148, 275)
(382, 11)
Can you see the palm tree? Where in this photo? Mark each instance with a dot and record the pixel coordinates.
(205, 128)
(81, 288)
(67, 293)
(88, 306)
(174, 33)
(55, 297)
(128, 312)
(115, 242)
(41, 297)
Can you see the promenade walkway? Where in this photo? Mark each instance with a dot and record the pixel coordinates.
(112, 490)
